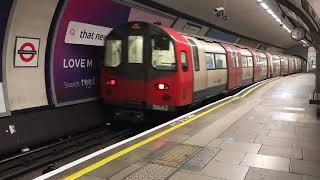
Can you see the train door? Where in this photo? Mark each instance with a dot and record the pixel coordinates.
(255, 67)
(231, 63)
(199, 70)
(270, 65)
(136, 63)
(239, 68)
(126, 52)
(185, 74)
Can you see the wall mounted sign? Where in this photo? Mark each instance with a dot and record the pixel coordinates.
(26, 52)
(191, 28)
(298, 34)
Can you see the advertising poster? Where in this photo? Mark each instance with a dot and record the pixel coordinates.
(79, 48)
(5, 7)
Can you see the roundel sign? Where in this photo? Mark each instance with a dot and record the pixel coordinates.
(26, 52)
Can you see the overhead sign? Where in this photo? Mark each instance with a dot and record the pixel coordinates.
(140, 15)
(86, 34)
(26, 52)
(191, 28)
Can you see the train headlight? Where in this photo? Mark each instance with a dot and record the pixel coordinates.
(162, 86)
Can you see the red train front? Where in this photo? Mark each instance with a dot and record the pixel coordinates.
(146, 67)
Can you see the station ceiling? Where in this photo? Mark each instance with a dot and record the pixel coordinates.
(245, 17)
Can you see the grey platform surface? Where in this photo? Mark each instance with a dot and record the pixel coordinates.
(271, 134)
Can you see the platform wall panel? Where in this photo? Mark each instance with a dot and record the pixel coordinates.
(26, 85)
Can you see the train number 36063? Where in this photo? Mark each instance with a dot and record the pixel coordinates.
(160, 107)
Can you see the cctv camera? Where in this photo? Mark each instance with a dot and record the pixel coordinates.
(219, 11)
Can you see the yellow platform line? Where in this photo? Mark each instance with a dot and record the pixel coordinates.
(252, 89)
(152, 138)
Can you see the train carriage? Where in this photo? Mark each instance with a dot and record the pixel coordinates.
(291, 65)
(297, 64)
(270, 65)
(260, 65)
(247, 67)
(210, 68)
(276, 65)
(234, 66)
(284, 65)
(153, 67)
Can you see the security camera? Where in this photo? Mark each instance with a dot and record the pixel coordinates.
(219, 11)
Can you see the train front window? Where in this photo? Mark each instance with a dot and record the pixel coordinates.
(113, 53)
(135, 49)
(163, 56)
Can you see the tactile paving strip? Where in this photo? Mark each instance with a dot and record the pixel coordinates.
(205, 136)
(151, 172)
(176, 156)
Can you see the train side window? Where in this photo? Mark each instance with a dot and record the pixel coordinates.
(258, 61)
(113, 53)
(184, 61)
(221, 61)
(210, 61)
(244, 61)
(250, 62)
(264, 62)
(163, 54)
(195, 55)
(135, 49)
(234, 59)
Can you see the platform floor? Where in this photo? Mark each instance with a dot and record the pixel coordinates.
(271, 134)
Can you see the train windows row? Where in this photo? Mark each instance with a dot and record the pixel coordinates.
(163, 55)
(247, 61)
(216, 61)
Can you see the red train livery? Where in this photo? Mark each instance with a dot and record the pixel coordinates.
(147, 66)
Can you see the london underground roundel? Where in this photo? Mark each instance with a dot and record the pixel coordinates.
(26, 52)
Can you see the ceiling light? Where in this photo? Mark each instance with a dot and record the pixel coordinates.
(286, 28)
(270, 12)
(265, 6)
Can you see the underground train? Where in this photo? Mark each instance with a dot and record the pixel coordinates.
(152, 67)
